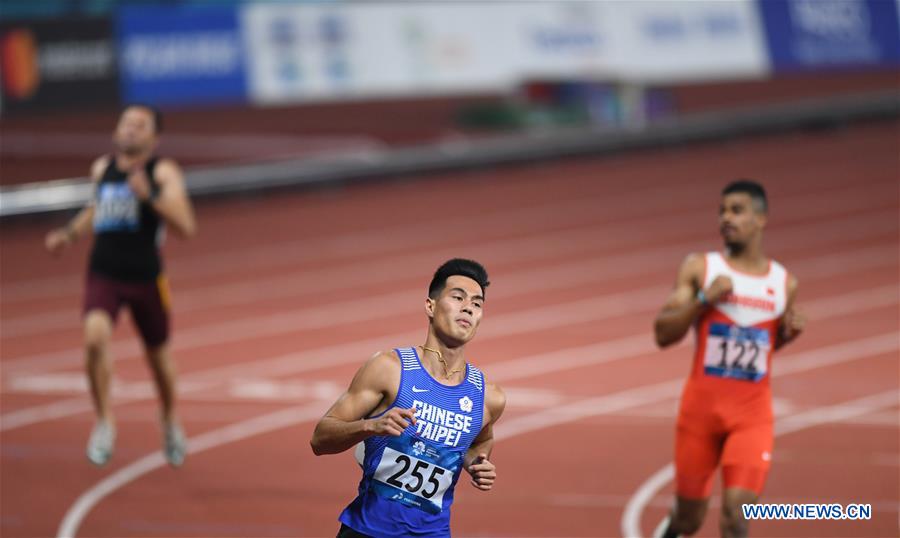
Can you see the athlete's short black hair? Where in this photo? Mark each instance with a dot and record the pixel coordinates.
(756, 192)
(458, 266)
(155, 112)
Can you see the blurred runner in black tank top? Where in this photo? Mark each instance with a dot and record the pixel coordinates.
(135, 195)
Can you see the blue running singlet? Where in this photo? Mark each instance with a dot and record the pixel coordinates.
(408, 481)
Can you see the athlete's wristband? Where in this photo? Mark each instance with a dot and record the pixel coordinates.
(782, 332)
(154, 192)
(71, 234)
(702, 298)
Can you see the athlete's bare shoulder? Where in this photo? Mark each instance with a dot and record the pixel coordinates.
(381, 370)
(694, 262)
(494, 400)
(791, 288)
(687, 282)
(791, 283)
(99, 166)
(692, 270)
(385, 360)
(167, 170)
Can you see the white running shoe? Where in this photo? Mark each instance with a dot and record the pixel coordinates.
(100, 444)
(174, 444)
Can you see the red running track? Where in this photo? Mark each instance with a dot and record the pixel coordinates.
(281, 297)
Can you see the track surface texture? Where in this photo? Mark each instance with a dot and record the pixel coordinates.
(281, 297)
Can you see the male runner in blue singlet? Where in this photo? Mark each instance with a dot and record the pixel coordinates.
(423, 414)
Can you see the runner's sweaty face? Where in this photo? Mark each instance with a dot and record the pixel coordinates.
(456, 313)
(739, 220)
(136, 131)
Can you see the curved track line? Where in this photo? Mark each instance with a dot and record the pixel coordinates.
(561, 414)
(222, 436)
(595, 308)
(631, 517)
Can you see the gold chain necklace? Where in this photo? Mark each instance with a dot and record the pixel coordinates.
(440, 357)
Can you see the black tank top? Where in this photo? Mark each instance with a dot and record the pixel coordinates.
(127, 232)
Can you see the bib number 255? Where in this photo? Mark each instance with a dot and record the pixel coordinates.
(411, 476)
(414, 481)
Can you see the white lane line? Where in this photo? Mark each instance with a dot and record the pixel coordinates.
(649, 198)
(515, 283)
(617, 501)
(631, 516)
(364, 309)
(229, 434)
(521, 249)
(528, 423)
(507, 325)
(371, 241)
(258, 389)
(382, 264)
(377, 270)
(187, 145)
(837, 413)
(636, 397)
(596, 308)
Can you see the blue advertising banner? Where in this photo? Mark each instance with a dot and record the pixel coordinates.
(805, 35)
(181, 55)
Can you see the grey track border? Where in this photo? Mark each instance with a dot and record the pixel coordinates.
(538, 144)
